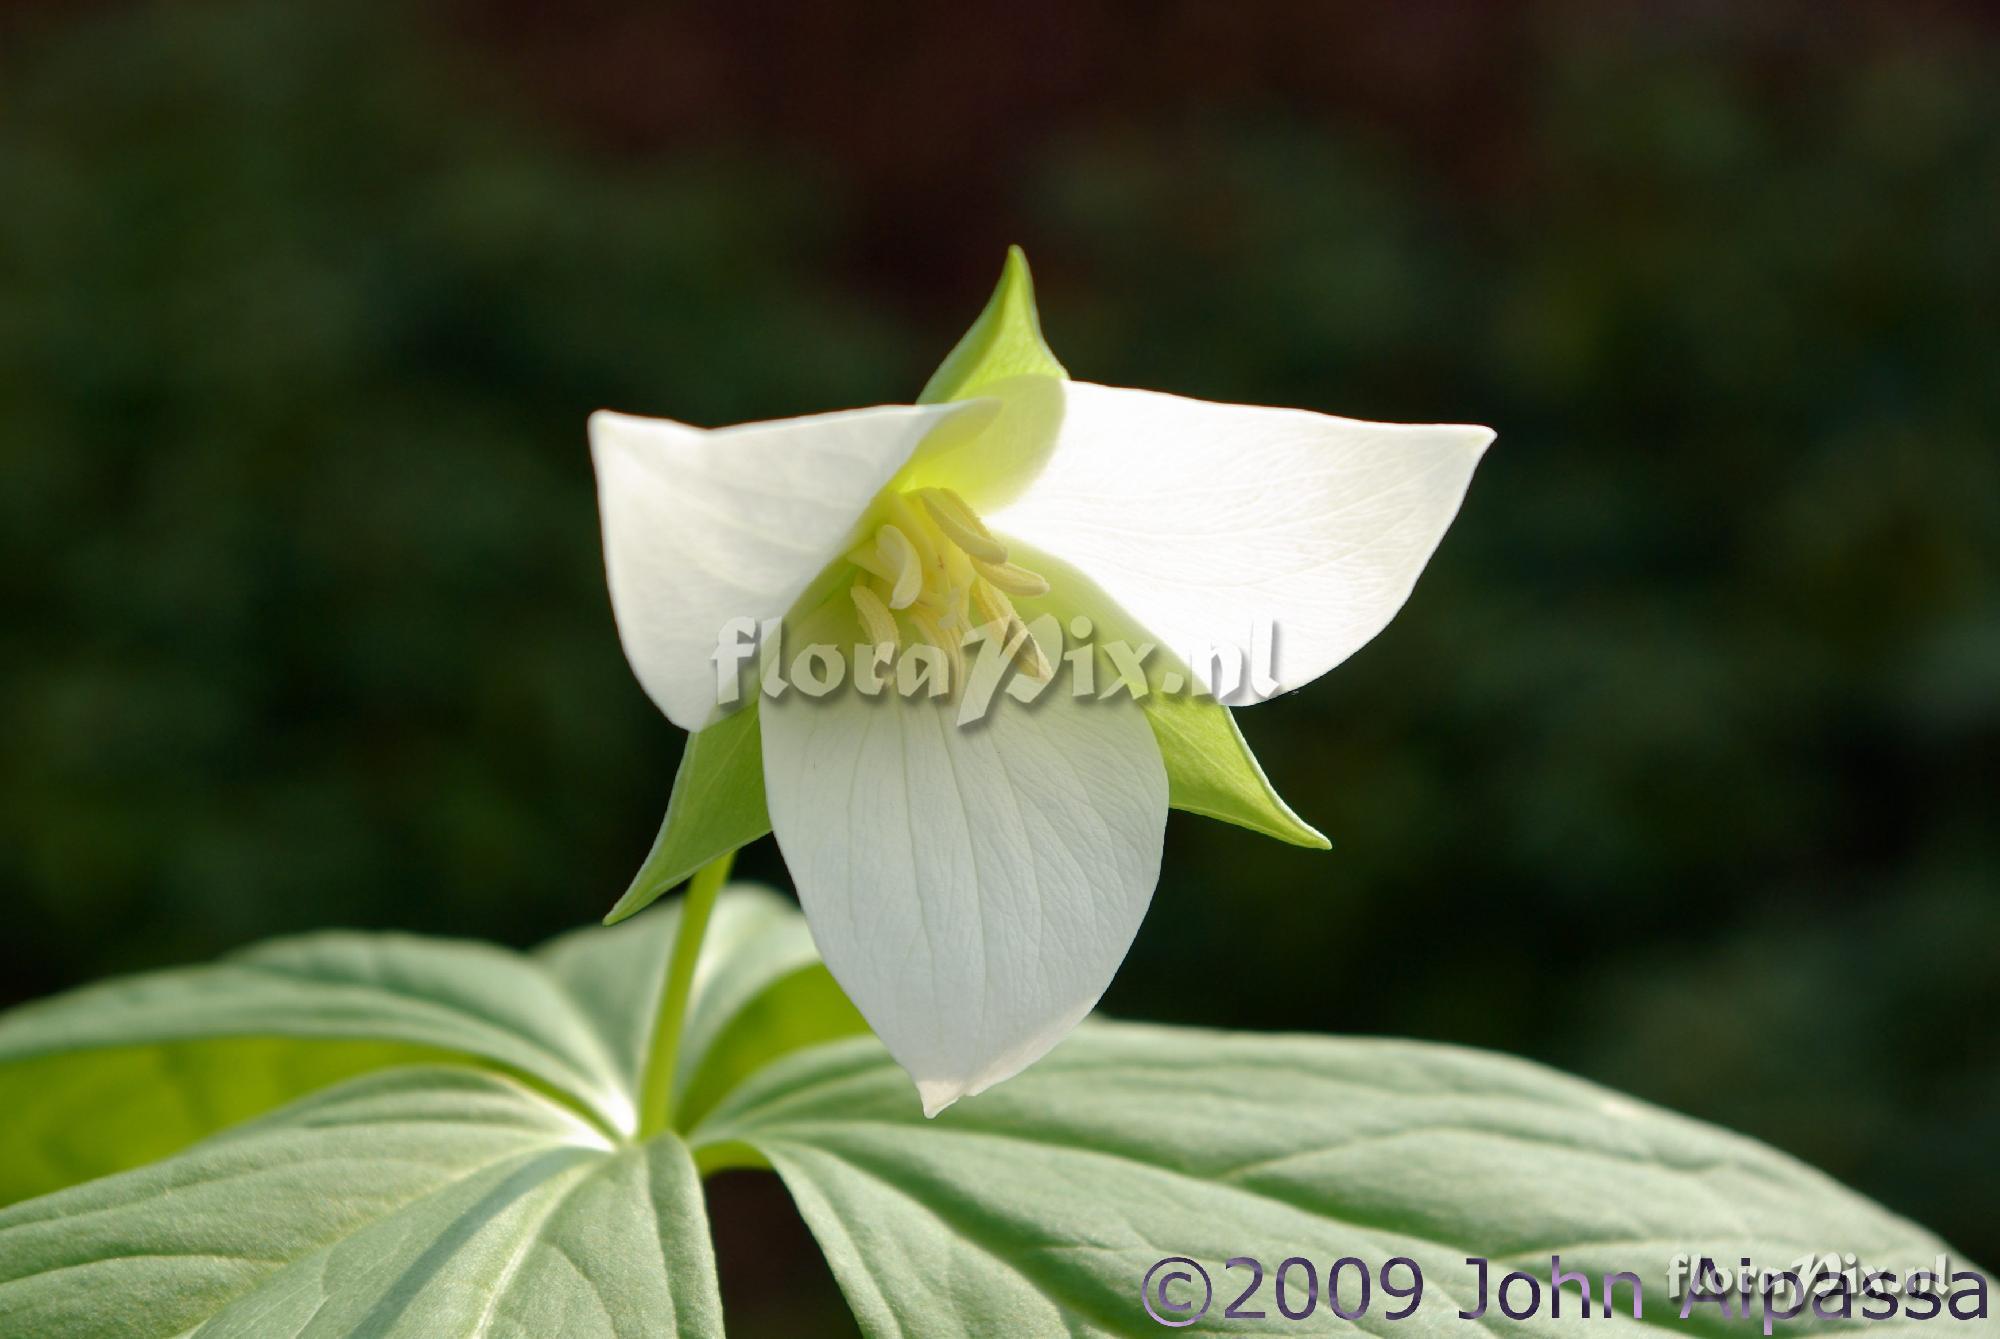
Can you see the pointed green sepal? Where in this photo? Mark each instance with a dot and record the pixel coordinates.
(1211, 771)
(717, 807)
(1006, 341)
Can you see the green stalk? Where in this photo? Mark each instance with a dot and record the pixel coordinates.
(656, 1097)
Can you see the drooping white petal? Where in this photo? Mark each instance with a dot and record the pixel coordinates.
(1201, 519)
(702, 526)
(972, 889)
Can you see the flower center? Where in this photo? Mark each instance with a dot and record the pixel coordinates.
(932, 569)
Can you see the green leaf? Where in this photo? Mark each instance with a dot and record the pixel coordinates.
(417, 1202)
(1038, 1207)
(75, 1115)
(717, 806)
(117, 1075)
(489, 1196)
(500, 1192)
(1005, 342)
(167, 1057)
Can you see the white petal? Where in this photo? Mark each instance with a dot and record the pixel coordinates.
(972, 889)
(1201, 519)
(704, 526)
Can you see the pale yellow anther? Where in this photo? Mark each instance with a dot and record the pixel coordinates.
(995, 608)
(953, 579)
(961, 526)
(868, 557)
(1012, 578)
(992, 607)
(915, 528)
(945, 499)
(932, 628)
(1034, 663)
(958, 569)
(935, 563)
(900, 554)
(876, 620)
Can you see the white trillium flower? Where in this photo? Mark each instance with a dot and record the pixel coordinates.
(973, 888)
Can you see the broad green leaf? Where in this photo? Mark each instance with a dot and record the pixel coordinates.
(1038, 1207)
(717, 806)
(75, 1115)
(415, 1203)
(117, 1075)
(1005, 342)
(484, 1197)
(259, 1027)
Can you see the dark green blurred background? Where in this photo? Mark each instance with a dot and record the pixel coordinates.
(1678, 771)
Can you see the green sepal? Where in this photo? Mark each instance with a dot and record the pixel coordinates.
(1005, 342)
(1211, 771)
(717, 806)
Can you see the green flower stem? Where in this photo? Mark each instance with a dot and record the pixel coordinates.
(656, 1098)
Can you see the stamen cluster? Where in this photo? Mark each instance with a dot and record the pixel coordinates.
(934, 569)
